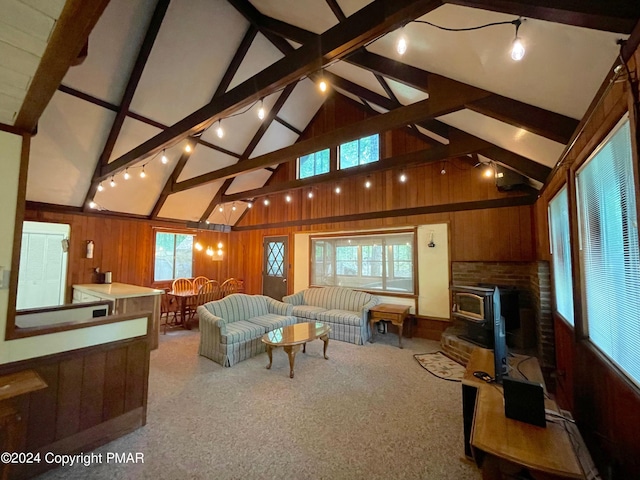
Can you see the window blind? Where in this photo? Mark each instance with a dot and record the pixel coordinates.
(561, 254)
(609, 250)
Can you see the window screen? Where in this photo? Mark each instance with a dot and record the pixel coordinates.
(561, 254)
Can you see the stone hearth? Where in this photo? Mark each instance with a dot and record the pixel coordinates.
(455, 347)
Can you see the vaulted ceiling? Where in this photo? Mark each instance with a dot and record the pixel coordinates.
(161, 75)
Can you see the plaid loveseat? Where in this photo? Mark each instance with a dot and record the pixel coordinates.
(345, 310)
(231, 328)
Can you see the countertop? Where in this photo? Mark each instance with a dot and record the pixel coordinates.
(117, 290)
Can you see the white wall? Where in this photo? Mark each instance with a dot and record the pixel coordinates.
(433, 270)
(24, 348)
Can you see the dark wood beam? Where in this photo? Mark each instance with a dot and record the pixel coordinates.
(618, 16)
(69, 35)
(127, 97)
(517, 163)
(173, 178)
(337, 11)
(396, 118)
(534, 119)
(286, 124)
(511, 201)
(266, 123)
(374, 20)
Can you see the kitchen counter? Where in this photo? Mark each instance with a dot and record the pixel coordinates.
(126, 299)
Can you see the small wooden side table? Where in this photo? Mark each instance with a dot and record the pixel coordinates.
(396, 314)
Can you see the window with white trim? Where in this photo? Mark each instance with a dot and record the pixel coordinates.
(378, 262)
(610, 255)
(560, 242)
(173, 256)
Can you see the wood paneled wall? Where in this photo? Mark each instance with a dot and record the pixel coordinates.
(125, 247)
(93, 396)
(606, 405)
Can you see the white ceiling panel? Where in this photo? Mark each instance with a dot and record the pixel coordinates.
(562, 69)
(248, 181)
(302, 104)
(14, 79)
(195, 45)
(13, 36)
(240, 128)
(28, 19)
(52, 8)
(313, 15)
(132, 134)
(261, 54)
(276, 137)
(349, 7)
(228, 216)
(358, 75)
(190, 204)
(113, 48)
(204, 160)
(405, 94)
(515, 139)
(71, 135)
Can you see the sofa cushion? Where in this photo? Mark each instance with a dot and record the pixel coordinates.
(340, 316)
(238, 306)
(241, 331)
(307, 311)
(271, 321)
(338, 298)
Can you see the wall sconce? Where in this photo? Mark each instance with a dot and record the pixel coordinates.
(431, 243)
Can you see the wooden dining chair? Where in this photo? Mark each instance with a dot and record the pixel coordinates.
(168, 307)
(180, 285)
(229, 286)
(198, 282)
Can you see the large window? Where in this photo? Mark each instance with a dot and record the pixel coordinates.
(561, 254)
(173, 256)
(609, 250)
(313, 164)
(369, 262)
(359, 152)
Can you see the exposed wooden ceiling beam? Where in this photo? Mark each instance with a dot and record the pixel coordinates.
(127, 97)
(441, 104)
(618, 16)
(534, 119)
(374, 20)
(69, 36)
(266, 123)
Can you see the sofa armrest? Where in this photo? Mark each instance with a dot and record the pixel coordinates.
(209, 322)
(365, 308)
(295, 299)
(279, 308)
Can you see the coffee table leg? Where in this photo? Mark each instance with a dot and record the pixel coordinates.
(291, 351)
(325, 339)
(269, 348)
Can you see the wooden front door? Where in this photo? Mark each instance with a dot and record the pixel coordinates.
(275, 267)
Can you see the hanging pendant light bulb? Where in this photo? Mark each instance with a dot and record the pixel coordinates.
(164, 158)
(310, 194)
(221, 209)
(100, 187)
(219, 130)
(401, 46)
(488, 172)
(338, 189)
(266, 201)
(126, 174)
(287, 199)
(210, 251)
(517, 48)
(249, 205)
(367, 184)
(142, 174)
(261, 112)
(323, 85)
(233, 207)
(403, 177)
(187, 148)
(112, 182)
(198, 246)
(93, 204)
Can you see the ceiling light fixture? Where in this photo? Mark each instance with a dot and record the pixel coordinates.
(233, 207)
(401, 46)
(249, 205)
(261, 112)
(517, 48)
(164, 158)
(288, 198)
(142, 174)
(93, 204)
(323, 85)
(187, 148)
(310, 194)
(403, 177)
(488, 171)
(198, 246)
(126, 174)
(266, 202)
(367, 184)
(338, 189)
(219, 130)
(100, 187)
(112, 183)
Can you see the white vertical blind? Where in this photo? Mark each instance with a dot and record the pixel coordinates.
(561, 254)
(610, 252)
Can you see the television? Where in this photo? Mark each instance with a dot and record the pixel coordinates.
(500, 352)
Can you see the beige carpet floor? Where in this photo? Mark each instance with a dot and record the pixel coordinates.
(369, 412)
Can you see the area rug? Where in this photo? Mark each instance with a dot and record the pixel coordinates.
(441, 366)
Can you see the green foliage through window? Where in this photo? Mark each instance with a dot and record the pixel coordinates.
(313, 164)
(173, 256)
(360, 152)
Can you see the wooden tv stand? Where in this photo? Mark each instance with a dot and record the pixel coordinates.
(498, 444)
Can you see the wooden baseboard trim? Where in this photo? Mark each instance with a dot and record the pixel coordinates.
(429, 327)
(84, 441)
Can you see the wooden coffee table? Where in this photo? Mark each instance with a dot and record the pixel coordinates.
(292, 336)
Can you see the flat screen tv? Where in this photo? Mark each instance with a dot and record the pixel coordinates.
(500, 352)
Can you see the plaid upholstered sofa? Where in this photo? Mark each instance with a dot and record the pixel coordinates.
(345, 310)
(231, 328)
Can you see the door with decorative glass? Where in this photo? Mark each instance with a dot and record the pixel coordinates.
(275, 269)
